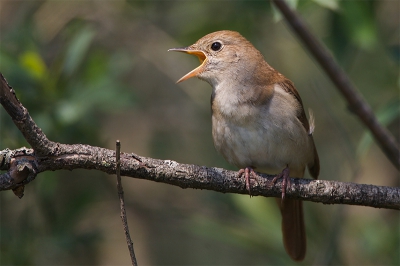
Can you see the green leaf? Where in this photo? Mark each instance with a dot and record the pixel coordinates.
(360, 23)
(330, 4)
(277, 14)
(69, 112)
(78, 49)
(385, 116)
(33, 63)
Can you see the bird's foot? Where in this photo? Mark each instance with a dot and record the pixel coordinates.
(285, 180)
(247, 172)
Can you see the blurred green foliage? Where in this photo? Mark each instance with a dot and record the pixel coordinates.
(95, 71)
(68, 85)
(81, 80)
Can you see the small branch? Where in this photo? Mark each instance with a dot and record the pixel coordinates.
(56, 156)
(21, 118)
(356, 102)
(122, 205)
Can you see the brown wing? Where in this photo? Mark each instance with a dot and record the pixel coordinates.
(288, 86)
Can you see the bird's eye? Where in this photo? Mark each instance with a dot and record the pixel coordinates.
(215, 46)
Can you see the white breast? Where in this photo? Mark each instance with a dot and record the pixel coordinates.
(267, 137)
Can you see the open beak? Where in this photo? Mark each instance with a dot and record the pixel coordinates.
(200, 54)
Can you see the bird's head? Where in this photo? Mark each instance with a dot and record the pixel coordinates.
(222, 54)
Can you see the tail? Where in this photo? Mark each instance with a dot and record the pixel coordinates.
(293, 229)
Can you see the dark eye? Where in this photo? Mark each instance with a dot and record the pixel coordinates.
(216, 46)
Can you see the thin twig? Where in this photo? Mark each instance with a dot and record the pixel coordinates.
(356, 102)
(122, 205)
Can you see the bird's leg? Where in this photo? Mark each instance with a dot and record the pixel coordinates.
(248, 172)
(285, 180)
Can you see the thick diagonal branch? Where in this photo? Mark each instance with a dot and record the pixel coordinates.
(355, 101)
(21, 118)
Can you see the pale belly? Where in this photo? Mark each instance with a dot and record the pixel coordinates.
(267, 148)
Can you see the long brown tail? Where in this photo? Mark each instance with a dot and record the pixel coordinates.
(293, 229)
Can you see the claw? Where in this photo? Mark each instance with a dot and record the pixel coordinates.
(285, 180)
(248, 171)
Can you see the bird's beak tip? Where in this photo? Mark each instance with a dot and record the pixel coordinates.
(179, 49)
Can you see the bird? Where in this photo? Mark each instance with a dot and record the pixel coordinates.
(258, 121)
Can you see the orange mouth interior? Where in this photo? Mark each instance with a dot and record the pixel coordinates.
(200, 55)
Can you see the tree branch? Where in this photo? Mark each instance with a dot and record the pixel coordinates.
(356, 102)
(51, 156)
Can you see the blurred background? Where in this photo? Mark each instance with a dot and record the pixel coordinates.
(93, 72)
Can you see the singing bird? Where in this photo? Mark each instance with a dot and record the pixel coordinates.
(258, 121)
